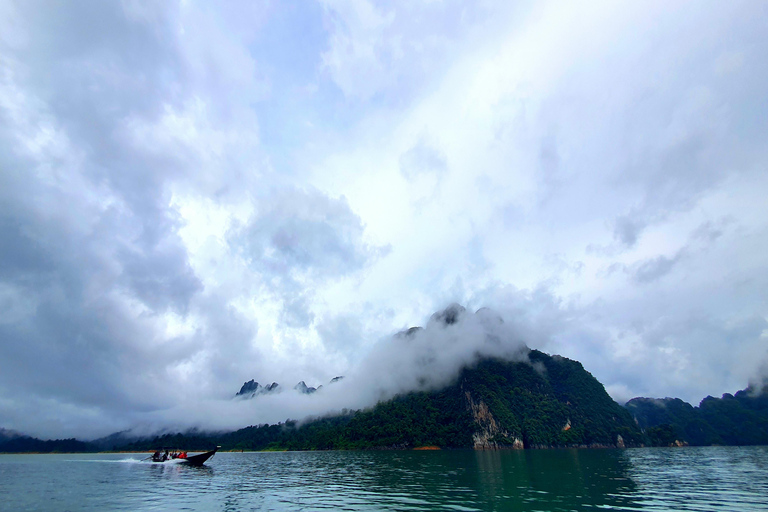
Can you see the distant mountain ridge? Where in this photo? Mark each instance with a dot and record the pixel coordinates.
(740, 419)
(524, 400)
(252, 389)
(15, 442)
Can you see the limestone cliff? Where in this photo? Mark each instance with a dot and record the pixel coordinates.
(485, 438)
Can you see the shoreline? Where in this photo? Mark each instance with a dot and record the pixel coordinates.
(416, 449)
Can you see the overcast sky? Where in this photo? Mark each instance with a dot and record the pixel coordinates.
(196, 194)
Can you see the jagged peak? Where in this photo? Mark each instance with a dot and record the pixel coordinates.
(252, 389)
(302, 387)
(248, 388)
(409, 333)
(450, 315)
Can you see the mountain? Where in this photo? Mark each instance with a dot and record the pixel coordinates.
(547, 401)
(740, 419)
(252, 389)
(509, 397)
(538, 401)
(6, 435)
(535, 402)
(14, 442)
(301, 387)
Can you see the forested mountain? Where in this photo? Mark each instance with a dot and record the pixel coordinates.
(13, 442)
(542, 402)
(535, 401)
(545, 401)
(740, 419)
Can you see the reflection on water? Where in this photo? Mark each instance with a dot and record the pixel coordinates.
(642, 479)
(554, 479)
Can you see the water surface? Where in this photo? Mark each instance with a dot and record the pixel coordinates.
(715, 478)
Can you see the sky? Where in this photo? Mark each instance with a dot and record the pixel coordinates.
(196, 194)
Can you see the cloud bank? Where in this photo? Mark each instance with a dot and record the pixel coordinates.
(417, 359)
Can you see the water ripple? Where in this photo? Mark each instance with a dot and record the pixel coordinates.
(690, 479)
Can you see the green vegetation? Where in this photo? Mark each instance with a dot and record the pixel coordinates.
(546, 401)
(552, 401)
(26, 444)
(731, 420)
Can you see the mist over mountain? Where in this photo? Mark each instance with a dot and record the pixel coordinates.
(531, 401)
(416, 359)
(464, 380)
(252, 389)
(545, 401)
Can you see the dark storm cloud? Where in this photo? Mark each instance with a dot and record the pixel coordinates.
(91, 255)
(68, 267)
(110, 113)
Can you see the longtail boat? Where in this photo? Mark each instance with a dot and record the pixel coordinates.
(177, 456)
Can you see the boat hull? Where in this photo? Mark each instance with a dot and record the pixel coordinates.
(192, 460)
(199, 460)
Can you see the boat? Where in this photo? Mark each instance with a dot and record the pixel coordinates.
(166, 456)
(198, 460)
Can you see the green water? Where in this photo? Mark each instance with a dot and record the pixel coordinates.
(717, 478)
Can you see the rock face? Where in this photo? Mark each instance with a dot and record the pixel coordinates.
(449, 315)
(301, 387)
(542, 401)
(488, 431)
(252, 389)
(248, 388)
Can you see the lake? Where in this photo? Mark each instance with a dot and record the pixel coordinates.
(711, 478)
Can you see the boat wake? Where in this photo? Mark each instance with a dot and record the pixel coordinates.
(109, 461)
